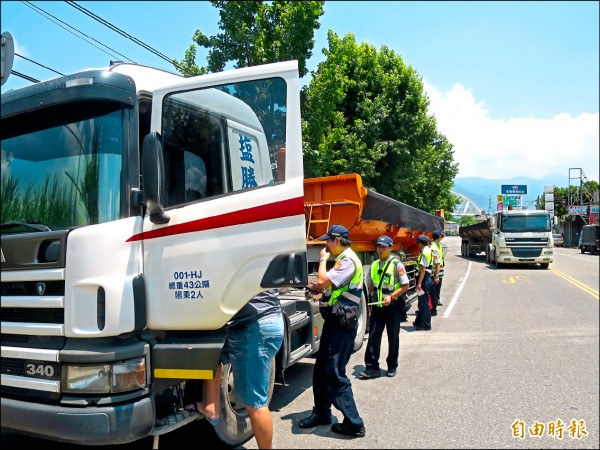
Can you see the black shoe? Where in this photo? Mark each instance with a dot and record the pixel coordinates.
(434, 312)
(370, 373)
(439, 304)
(314, 420)
(423, 328)
(391, 373)
(404, 319)
(347, 430)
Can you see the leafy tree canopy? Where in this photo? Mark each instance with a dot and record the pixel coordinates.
(256, 32)
(365, 111)
(579, 195)
(467, 220)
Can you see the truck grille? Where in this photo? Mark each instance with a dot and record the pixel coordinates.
(18, 288)
(36, 315)
(527, 247)
(32, 316)
(526, 252)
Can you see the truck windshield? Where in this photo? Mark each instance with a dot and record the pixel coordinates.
(526, 223)
(64, 176)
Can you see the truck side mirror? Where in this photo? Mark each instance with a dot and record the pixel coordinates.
(153, 177)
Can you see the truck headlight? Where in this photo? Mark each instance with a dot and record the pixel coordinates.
(105, 378)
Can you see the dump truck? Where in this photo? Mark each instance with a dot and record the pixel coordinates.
(344, 200)
(510, 237)
(140, 212)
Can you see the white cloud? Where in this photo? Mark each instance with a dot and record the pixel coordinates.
(520, 146)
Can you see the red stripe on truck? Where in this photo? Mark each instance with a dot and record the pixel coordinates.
(285, 208)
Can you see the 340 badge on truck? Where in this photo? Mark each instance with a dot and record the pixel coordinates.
(39, 369)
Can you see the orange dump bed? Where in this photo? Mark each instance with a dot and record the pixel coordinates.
(343, 200)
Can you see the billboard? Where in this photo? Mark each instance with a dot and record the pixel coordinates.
(514, 189)
(575, 210)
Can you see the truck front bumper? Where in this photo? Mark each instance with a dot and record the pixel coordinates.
(117, 424)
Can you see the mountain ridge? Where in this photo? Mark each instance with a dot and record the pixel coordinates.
(483, 191)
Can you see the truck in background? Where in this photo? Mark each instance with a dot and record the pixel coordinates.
(451, 228)
(590, 239)
(510, 237)
(136, 208)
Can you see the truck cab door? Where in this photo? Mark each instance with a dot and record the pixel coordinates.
(233, 200)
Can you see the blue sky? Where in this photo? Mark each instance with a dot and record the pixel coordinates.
(513, 85)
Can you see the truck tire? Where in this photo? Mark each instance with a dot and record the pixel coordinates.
(582, 249)
(363, 320)
(496, 263)
(544, 265)
(234, 426)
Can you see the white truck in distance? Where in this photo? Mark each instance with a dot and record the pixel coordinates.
(511, 237)
(140, 212)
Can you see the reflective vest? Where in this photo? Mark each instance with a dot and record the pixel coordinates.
(426, 251)
(440, 251)
(387, 286)
(354, 288)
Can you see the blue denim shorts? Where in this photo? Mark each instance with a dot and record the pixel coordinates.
(250, 348)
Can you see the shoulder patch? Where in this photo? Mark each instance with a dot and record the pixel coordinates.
(337, 265)
(401, 270)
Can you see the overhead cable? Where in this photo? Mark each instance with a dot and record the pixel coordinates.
(46, 14)
(124, 33)
(26, 77)
(41, 65)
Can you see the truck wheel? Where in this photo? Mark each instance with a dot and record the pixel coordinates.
(363, 320)
(234, 426)
(496, 263)
(544, 265)
(582, 249)
(592, 250)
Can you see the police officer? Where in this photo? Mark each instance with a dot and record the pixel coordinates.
(438, 277)
(424, 284)
(389, 284)
(331, 386)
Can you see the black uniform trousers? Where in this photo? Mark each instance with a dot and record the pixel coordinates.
(385, 317)
(423, 318)
(435, 294)
(331, 386)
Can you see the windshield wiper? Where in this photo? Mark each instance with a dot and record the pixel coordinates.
(22, 223)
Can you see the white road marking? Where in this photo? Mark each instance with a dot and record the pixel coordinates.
(569, 256)
(461, 284)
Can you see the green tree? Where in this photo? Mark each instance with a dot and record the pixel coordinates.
(257, 32)
(365, 111)
(578, 194)
(467, 220)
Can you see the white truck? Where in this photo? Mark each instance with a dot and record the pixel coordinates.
(511, 237)
(140, 212)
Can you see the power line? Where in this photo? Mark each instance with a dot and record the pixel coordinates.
(41, 65)
(26, 77)
(45, 14)
(125, 34)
